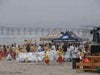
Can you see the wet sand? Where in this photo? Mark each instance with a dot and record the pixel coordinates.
(40, 68)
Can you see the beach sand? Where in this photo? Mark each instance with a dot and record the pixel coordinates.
(40, 68)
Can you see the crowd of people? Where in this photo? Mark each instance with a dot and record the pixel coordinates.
(74, 52)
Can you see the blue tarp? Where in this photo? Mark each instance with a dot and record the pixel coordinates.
(67, 36)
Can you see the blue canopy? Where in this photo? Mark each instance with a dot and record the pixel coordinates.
(68, 37)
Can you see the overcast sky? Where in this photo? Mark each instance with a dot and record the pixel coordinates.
(49, 13)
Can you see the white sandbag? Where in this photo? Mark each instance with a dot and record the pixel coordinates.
(21, 57)
(36, 56)
(52, 55)
(40, 56)
(8, 58)
(29, 56)
(20, 60)
(67, 56)
(33, 57)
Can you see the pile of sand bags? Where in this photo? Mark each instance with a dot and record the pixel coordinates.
(36, 56)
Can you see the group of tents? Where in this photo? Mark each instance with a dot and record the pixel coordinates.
(68, 36)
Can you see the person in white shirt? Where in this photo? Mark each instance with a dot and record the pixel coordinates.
(39, 48)
(75, 57)
(68, 54)
(53, 47)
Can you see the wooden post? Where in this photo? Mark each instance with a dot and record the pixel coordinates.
(30, 31)
(48, 30)
(8, 29)
(36, 30)
(12, 31)
(42, 31)
(18, 31)
(2, 30)
(24, 31)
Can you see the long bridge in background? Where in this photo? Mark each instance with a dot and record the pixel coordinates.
(4, 30)
(27, 30)
(18, 34)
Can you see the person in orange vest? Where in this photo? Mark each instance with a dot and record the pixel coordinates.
(86, 60)
(47, 59)
(60, 54)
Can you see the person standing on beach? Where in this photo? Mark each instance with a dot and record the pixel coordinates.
(46, 59)
(75, 56)
(28, 48)
(4, 51)
(60, 55)
(68, 54)
(1, 53)
(64, 47)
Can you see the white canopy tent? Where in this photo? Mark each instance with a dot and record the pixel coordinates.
(51, 36)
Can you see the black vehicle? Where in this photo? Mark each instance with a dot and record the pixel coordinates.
(95, 47)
